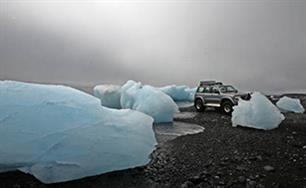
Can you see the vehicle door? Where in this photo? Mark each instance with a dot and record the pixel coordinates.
(200, 91)
(215, 95)
(207, 94)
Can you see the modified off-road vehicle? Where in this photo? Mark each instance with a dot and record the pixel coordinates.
(215, 94)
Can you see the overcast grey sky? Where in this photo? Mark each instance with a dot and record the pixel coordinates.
(255, 44)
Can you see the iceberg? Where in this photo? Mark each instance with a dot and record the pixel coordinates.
(109, 95)
(287, 104)
(155, 102)
(179, 93)
(258, 113)
(58, 133)
(149, 100)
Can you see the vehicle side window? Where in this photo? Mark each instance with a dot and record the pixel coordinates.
(207, 89)
(201, 89)
(223, 89)
(215, 89)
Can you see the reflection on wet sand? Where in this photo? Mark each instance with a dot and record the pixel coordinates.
(169, 131)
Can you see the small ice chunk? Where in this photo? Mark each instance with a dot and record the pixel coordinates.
(149, 100)
(257, 113)
(179, 93)
(109, 95)
(287, 104)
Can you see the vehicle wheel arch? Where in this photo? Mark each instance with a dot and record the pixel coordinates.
(226, 100)
(200, 98)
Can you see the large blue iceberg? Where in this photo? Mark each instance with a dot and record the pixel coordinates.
(58, 133)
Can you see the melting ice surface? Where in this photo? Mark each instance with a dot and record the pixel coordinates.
(289, 104)
(58, 133)
(259, 113)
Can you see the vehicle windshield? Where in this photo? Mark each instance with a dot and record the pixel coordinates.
(228, 89)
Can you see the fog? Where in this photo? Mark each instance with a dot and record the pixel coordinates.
(254, 45)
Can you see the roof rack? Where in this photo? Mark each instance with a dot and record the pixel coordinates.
(210, 82)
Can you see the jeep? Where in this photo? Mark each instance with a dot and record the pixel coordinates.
(215, 94)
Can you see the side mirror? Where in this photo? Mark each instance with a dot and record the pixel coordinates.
(217, 92)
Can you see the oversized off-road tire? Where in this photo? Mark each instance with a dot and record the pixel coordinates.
(199, 106)
(227, 107)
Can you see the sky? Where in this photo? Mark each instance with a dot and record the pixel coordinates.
(254, 45)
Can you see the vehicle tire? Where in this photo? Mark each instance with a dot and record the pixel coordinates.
(227, 107)
(199, 106)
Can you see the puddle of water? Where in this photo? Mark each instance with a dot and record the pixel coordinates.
(169, 131)
(185, 115)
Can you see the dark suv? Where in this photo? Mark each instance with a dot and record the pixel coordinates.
(215, 94)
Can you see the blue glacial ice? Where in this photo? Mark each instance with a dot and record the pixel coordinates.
(287, 104)
(179, 93)
(257, 113)
(58, 133)
(155, 101)
(109, 95)
(149, 100)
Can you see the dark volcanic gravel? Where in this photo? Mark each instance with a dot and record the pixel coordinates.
(221, 156)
